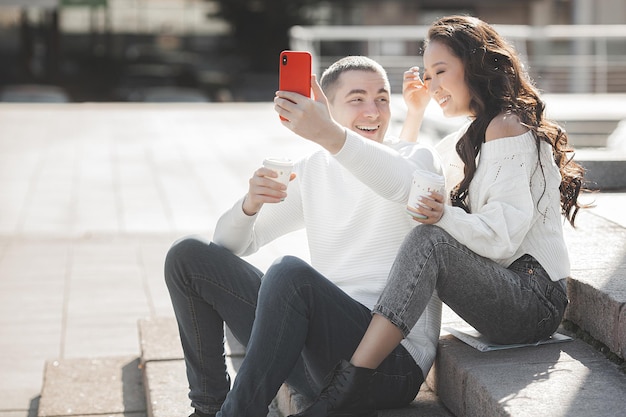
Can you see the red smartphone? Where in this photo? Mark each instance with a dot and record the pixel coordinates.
(295, 72)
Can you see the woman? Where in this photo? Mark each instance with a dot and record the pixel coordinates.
(496, 255)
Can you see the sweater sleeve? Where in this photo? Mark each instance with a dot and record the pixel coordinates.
(244, 235)
(501, 203)
(387, 170)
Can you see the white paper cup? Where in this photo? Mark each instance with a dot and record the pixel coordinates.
(281, 166)
(424, 182)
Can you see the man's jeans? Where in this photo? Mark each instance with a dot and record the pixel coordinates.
(300, 329)
(518, 304)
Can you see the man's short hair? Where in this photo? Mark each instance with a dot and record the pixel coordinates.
(330, 77)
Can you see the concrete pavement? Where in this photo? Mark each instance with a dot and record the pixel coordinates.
(91, 197)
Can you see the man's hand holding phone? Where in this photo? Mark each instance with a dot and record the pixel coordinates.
(309, 118)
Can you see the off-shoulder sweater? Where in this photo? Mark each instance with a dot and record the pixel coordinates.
(514, 202)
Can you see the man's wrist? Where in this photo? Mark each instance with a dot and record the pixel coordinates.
(335, 139)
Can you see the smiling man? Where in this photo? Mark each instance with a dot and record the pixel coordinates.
(297, 320)
(361, 106)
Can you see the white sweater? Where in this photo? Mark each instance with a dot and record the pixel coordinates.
(352, 205)
(514, 203)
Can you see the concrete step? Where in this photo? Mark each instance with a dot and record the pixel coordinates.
(597, 287)
(605, 168)
(570, 378)
(589, 133)
(565, 379)
(110, 386)
(164, 368)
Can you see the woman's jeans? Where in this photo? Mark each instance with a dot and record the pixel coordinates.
(518, 304)
(296, 326)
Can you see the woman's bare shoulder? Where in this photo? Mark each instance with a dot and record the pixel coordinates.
(504, 125)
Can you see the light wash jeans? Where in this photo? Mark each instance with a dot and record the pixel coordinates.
(297, 331)
(518, 304)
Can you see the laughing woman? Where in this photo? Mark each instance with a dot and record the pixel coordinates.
(496, 255)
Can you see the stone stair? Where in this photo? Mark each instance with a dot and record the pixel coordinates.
(571, 379)
(568, 379)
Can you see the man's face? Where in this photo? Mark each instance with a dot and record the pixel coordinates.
(361, 103)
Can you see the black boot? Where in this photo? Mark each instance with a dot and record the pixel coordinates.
(348, 394)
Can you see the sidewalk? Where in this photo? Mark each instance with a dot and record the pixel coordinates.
(92, 195)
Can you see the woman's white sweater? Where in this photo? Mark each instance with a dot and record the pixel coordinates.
(514, 200)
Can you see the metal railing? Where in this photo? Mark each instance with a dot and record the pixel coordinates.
(560, 58)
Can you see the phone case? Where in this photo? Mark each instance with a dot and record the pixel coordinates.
(295, 72)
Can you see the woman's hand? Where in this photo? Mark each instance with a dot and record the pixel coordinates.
(310, 118)
(414, 91)
(263, 189)
(432, 207)
(416, 98)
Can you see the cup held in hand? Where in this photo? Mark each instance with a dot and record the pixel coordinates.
(424, 182)
(282, 167)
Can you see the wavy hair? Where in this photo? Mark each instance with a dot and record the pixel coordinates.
(498, 83)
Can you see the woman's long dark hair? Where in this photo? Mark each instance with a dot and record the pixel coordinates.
(498, 83)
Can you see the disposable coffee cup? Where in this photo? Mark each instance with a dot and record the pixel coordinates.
(424, 182)
(281, 166)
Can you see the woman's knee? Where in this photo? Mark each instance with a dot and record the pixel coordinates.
(422, 238)
(426, 232)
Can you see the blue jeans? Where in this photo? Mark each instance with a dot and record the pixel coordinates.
(296, 325)
(518, 304)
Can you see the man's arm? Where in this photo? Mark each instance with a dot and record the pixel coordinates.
(242, 229)
(386, 169)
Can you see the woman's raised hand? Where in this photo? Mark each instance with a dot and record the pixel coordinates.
(414, 91)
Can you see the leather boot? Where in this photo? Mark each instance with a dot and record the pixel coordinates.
(348, 394)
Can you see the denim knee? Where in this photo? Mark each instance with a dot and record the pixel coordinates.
(427, 233)
(286, 273)
(173, 258)
(184, 251)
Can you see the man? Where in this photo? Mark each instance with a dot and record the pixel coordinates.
(300, 320)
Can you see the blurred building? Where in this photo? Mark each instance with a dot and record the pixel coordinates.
(569, 46)
(99, 50)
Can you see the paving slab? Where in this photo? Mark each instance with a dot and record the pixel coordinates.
(97, 386)
(565, 379)
(160, 340)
